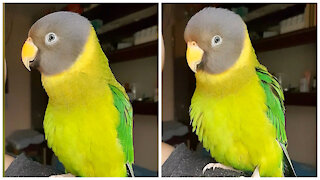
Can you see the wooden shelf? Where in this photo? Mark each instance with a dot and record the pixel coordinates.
(134, 52)
(299, 37)
(128, 30)
(262, 23)
(256, 24)
(109, 11)
(300, 99)
(145, 107)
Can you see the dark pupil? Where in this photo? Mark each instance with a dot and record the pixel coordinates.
(216, 39)
(51, 37)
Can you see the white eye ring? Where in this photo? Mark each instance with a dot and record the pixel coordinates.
(51, 38)
(216, 40)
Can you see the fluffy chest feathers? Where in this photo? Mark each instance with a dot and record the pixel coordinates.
(228, 113)
(81, 119)
(235, 127)
(85, 139)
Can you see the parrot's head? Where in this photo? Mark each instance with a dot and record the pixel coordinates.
(214, 38)
(55, 41)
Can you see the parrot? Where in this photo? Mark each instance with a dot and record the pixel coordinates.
(88, 119)
(237, 109)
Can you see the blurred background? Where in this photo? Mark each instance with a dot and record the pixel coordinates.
(128, 36)
(284, 37)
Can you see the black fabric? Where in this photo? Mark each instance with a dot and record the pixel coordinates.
(183, 162)
(24, 167)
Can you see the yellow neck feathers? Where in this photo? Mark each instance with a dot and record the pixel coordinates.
(233, 78)
(85, 75)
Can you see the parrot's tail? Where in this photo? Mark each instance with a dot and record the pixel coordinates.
(129, 165)
(288, 169)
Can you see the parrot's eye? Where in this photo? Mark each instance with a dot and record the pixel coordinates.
(216, 40)
(51, 38)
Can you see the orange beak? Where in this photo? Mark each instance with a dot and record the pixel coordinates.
(194, 55)
(29, 53)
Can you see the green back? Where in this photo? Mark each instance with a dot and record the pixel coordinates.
(125, 126)
(274, 102)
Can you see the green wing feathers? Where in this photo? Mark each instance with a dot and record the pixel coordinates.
(274, 102)
(125, 126)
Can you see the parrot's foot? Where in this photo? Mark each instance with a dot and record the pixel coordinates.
(218, 165)
(63, 175)
(256, 173)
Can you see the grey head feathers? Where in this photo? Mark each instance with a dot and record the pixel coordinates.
(71, 32)
(207, 23)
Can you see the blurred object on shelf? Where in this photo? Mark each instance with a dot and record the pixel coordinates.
(292, 24)
(307, 75)
(271, 31)
(155, 96)
(134, 91)
(97, 24)
(280, 77)
(122, 45)
(241, 11)
(267, 34)
(131, 90)
(305, 82)
(314, 83)
(74, 8)
(306, 20)
(291, 89)
(304, 85)
(310, 15)
(146, 35)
